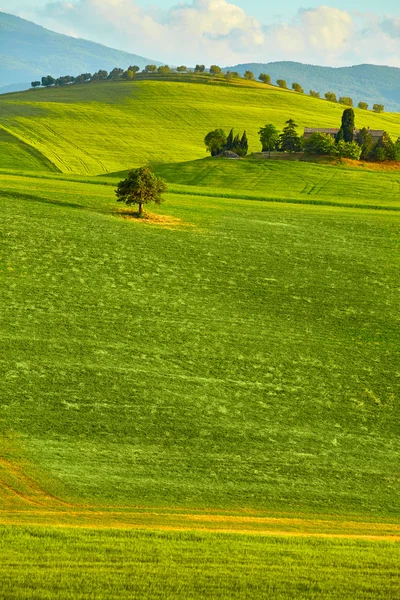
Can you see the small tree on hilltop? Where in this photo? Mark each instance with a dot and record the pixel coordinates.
(297, 88)
(141, 187)
(199, 69)
(35, 84)
(265, 78)
(150, 69)
(215, 70)
(330, 96)
(363, 105)
(249, 75)
(215, 142)
(282, 83)
(269, 138)
(346, 100)
(289, 140)
(314, 94)
(378, 108)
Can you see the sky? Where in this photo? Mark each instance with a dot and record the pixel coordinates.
(228, 32)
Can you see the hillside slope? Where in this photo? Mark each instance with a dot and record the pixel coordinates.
(367, 83)
(30, 51)
(105, 127)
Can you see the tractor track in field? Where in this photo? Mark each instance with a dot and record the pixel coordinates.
(30, 504)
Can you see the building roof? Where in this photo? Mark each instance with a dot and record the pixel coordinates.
(373, 132)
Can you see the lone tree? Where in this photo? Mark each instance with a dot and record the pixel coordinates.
(346, 132)
(289, 140)
(281, 83)
(215, 70)
(141, 187)
(378, 108)
(269, 137)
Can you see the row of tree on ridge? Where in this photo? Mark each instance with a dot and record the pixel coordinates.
(348, 142)
(214, 70)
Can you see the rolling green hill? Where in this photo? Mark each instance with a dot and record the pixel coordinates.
(222, 376)
(366, 83)
(106, 127)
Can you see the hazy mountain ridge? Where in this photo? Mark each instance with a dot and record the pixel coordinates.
(29, 51)
(368, 83)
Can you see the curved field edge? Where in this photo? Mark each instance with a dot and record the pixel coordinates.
(17, 152)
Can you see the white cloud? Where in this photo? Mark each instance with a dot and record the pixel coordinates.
(218, 31)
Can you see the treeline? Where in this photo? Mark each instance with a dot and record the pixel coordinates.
(347, 143)
(214, 70)
(218, 143)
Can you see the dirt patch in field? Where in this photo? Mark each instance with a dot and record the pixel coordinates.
(149, 218)
(372, 166)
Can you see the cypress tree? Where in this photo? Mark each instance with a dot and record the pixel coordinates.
(348, 124)
(244, 144)
(229, 140)
(236, 143)
(289, 139)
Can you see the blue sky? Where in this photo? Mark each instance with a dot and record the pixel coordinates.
(229, 32)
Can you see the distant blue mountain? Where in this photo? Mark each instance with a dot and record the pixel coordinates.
(28, 51)
(367, 83)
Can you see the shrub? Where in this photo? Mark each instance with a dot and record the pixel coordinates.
(314, 94)
(330, 96)
(363, 105)
(346, 100)
(282, 83)
(348, 150)
(378, 108)
(320, 144)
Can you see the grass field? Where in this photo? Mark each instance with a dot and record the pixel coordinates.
(112, 126)
(204, 404)
(154, 565)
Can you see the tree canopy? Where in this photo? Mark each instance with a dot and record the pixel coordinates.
(269, 137)
(289, 140)
(141, 187)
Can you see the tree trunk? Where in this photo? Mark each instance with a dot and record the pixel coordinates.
(140, 212)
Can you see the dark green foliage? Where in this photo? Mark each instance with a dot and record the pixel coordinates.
(330, 96)
(289, 140)
(243, 145)
(215, 142)
(35, 84)
(339, 136)
(249, 75)
(320, 144)
(365, 141)
(346, 100)
(378, 108)
(215, 70)
(297, 88)
(363, 105)
(199, 69)
(141, 187)
(181, 69)
(346, 132)
(348, 150)
(281, 83)
(150, 68)
(384, 149)
(163, 69)
(115, 73)
(265, 78)
(229, 140)
(269, 138)
(47, 81)
(314, 94)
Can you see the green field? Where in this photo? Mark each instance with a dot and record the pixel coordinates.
(223, 376)
(107, 127)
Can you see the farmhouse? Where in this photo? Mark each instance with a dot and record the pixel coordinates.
(377, 134)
